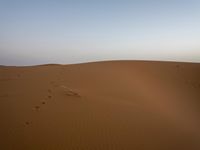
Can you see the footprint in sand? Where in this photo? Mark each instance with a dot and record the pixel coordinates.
(37, 108)
(69, 92)
(43, 102)
(27, 123)
(72, 93)
(49, 96)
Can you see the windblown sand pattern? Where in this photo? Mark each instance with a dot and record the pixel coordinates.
(116, 105)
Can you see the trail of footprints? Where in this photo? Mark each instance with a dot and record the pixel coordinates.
(67, 91)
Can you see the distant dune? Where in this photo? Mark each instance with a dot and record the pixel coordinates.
(113, 105)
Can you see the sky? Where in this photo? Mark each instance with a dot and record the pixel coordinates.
(74, 31)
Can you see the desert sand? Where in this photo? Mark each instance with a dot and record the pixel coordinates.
(111, 105)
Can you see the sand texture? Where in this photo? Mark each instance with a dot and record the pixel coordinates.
(113, 105)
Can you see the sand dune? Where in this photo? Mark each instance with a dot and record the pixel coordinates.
(114, 105)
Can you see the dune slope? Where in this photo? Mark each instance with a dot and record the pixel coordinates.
(101, 106)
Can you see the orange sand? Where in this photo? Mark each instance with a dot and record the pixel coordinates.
(114, 105)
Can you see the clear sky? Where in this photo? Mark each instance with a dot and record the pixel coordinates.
(74, 31)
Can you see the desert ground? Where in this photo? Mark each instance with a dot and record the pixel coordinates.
(111, 105)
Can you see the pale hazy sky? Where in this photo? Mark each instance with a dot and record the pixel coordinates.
(74, 31)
